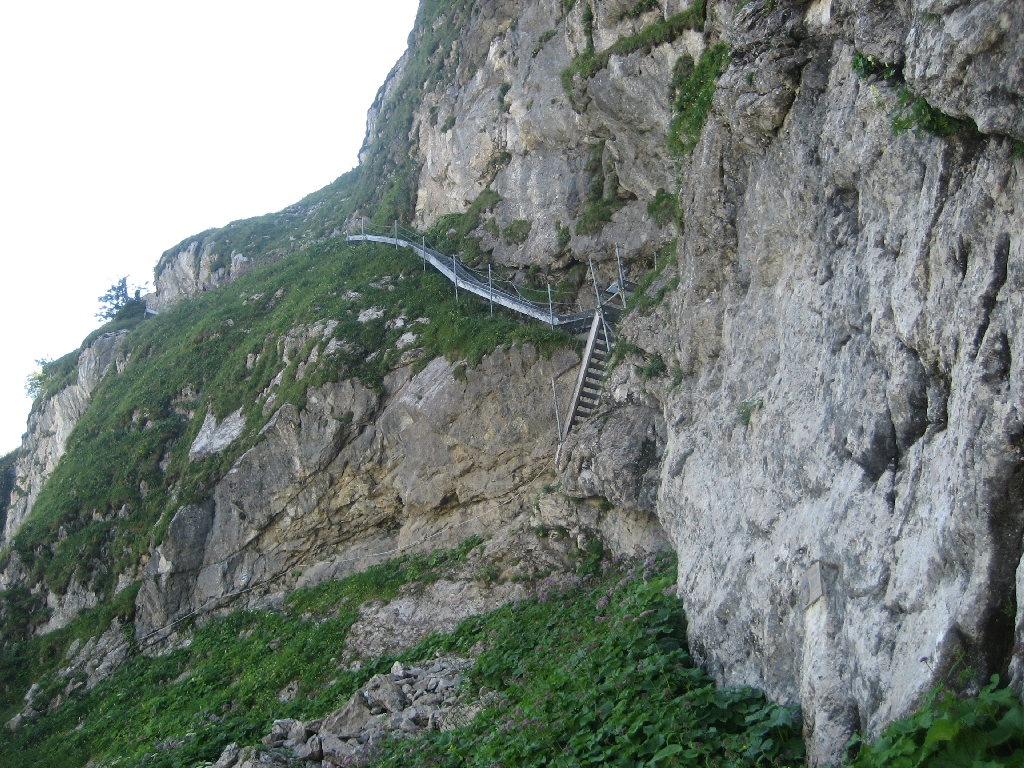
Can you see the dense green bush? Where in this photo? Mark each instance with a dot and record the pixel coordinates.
(664, 208)
(981, 729)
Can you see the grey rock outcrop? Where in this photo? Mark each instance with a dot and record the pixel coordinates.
(354, 474)
(842, 473)
(411, 699)
(214, 437)
(50, 425)
(535, 149)
(196, 268)
(616, 455)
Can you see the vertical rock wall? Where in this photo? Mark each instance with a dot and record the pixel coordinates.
(843, 479)
(49, 426)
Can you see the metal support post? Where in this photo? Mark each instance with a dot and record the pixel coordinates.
(597, 291)
(490, 289)
(362, 226)
(396, 234)
(622, 277)
(455, 274)
(551, 309)
(558, 419)
(604, 325)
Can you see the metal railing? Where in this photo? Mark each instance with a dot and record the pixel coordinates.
(494, 290)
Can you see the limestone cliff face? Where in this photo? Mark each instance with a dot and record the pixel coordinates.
(842, 473)
(49, 426)
(437, 457)
(509, 123)
(193, 269)
(835, 447)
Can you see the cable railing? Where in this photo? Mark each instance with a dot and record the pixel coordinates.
(487, 286)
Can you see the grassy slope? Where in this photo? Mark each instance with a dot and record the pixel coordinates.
(185, 706)
(594, 674)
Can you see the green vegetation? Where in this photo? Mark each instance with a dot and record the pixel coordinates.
(449, 123)
(602, 196)
(692, 91)
(588, 64)
(541, 41)
(563, 236)
(114, 299)
(746, 409)
(950, 729)
(567, 6)
(866, 66)
(643, 300)
(1017, 151)
(450, 233)
(127, 467)
(655, 367)
(599, 674)
(639, 9)
(619, 353)
(588, 27)
(915, 112)
(910, 112)
(517, 232)
(23, 662)
(184, 707)
(664, 208)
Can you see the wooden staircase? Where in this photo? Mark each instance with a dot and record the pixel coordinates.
(587, 394)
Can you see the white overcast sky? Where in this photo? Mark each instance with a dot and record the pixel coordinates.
(125, 127)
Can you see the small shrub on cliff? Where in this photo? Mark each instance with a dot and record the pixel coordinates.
(563, 236)
(517, 232)
(694, 89)
(746, 409)
(914, 112)
(541, 41)
(910, 112)
(639, 9)
(664, 208)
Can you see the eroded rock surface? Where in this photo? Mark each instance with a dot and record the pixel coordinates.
(355, 474)
(845, 336)
(197, 267)
(50, 425)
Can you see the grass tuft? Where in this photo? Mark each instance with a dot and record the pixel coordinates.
(693, 87)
